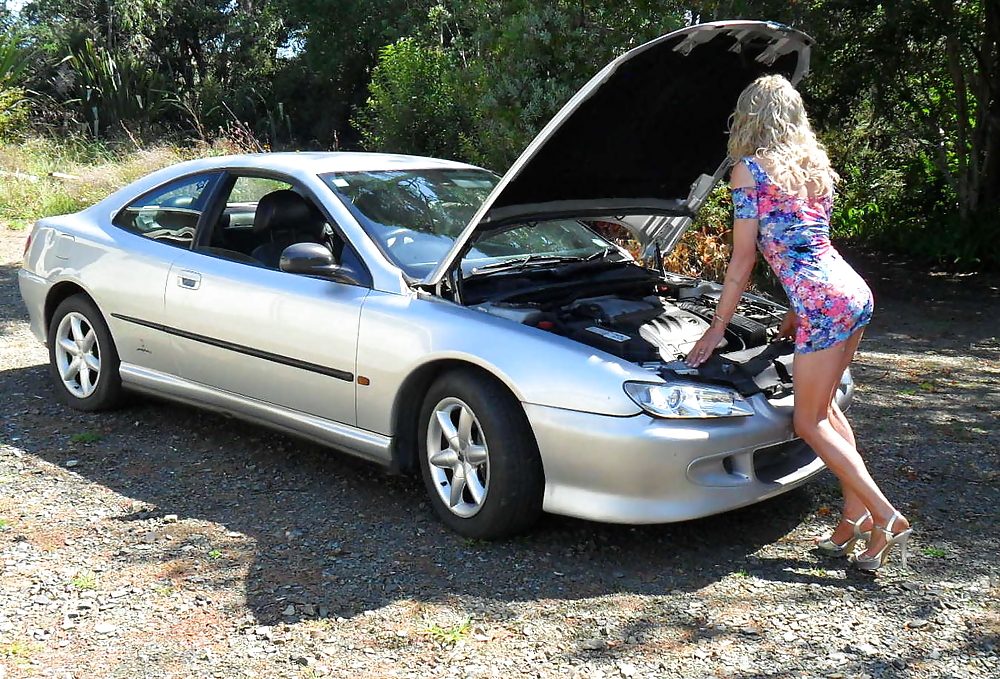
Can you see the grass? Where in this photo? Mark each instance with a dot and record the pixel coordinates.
(19, 651)
(447, 636)
(29, 191)
(215, 554)
(85, 437)
(84, 581)
(935, 552)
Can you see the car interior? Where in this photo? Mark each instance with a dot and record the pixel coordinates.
(257, 232)
(262, 217)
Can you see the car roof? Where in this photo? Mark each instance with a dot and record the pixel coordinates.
(294, 164)
(322, 162)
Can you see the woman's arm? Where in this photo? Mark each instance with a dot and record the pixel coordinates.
(741, 262)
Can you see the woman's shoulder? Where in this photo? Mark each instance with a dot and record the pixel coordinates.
(744, 173)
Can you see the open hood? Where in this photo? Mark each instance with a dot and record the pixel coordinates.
(644, 140)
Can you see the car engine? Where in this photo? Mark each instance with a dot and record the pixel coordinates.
(656, 326)
(645, 330)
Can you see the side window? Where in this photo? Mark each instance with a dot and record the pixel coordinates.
(252, 189)
(169, 214)
(264, 216)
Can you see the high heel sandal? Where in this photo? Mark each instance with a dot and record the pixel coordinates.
(876, 561)
(831, 548)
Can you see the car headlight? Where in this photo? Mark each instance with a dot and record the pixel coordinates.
(684, 399)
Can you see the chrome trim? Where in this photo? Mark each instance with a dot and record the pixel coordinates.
(366, 444)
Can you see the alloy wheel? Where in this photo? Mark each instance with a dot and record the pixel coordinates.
(458, 457)
(77, 354)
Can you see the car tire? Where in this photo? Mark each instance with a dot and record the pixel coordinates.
(83, 359)
(491, 486)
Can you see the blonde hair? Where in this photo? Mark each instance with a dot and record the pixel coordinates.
(770, 122)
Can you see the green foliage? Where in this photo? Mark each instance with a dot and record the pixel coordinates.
(903, 93)
(115, 91)
(13, 113)
(86, 437)
(28, 192)
(450, 634)
(13, 59)
(20, 652)
(415, 102)
(84, 581)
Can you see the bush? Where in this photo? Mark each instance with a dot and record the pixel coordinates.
(415, 104)
(13, 114)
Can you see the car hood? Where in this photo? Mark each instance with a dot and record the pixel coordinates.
(644, 141)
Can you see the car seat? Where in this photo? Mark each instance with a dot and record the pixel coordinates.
(284, 218)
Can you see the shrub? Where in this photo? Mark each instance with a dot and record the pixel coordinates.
(13, 113)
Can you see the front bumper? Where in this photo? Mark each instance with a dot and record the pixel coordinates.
(642, 469)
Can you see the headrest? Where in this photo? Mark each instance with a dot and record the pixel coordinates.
(285, 210)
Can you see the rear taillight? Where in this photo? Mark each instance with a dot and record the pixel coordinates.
(27, 243)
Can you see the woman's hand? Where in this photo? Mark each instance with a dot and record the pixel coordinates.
(789, 324)
(704, 347)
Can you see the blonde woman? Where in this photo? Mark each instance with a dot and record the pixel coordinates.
(782, 187)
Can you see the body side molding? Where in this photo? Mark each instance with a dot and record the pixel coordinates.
(242, 349)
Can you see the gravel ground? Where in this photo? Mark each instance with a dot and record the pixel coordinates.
(163, 542)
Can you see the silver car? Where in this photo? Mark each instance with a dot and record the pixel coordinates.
(437, 319)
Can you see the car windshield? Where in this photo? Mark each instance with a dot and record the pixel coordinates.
(416, 215)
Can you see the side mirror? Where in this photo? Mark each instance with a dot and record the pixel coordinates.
(313, 259)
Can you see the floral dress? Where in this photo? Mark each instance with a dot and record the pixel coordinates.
(830, 299)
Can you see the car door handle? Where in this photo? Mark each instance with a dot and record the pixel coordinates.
(189, 280)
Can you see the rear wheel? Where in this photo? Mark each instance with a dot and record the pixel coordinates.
(479, 458)
(83, 360)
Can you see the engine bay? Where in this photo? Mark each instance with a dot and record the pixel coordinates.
(652, 320)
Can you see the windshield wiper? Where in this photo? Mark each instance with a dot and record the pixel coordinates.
(521, 262)
(602, 253)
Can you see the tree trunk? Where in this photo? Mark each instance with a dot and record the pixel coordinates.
(989, 187)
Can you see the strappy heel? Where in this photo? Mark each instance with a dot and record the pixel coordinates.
(876, 561)
(831, 548)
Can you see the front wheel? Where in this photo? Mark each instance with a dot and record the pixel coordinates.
(83, 360)
(479, 458)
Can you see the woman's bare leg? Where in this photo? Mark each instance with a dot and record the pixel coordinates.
(816, 376)
(854, 508)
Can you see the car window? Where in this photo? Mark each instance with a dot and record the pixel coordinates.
(252, 189)
(416, 215)
(289, 216)
(169, 214)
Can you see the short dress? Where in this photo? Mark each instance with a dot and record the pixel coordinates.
(830, 299)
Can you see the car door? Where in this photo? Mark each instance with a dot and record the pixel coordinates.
(152, 231)
(264, 334)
